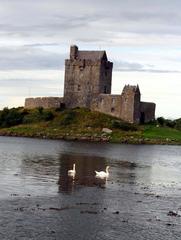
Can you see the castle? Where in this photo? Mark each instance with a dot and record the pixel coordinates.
(88, 78)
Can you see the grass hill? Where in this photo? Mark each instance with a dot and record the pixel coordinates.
(82, 124)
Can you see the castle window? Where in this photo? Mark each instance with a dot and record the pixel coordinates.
(78, 88)
(112, 109)
(113, 100)
(105, 89)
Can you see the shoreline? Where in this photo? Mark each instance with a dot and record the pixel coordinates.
(81, 124)
(100, 139)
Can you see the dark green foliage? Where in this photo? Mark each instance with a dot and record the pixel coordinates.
(58, 109)
(25, 112)
(123, 125)
(161, 121)
(48, 116)
(38, 115)
(178, 124)
(166, 122)
(170, 123)
(10, 117)
(16, 116)
(68, 118)
(40, 110)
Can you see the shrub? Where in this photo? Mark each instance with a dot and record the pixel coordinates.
(178, 124)
(170, 123)
(10, 117)
(38, 115)
(123, 125)
(68, 118)
(40, 110)
(161, 121)
(48, 116)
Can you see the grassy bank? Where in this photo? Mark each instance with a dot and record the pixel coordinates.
(82, 124)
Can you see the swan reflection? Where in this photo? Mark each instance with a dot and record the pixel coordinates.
(84, 175)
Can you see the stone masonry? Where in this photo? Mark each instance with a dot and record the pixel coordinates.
(87, 74)
(45, 102)
(88, 79)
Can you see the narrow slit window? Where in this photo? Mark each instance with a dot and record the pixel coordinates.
(105, 89)
(113, 100)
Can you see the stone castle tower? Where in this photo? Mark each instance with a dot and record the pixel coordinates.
(87, 74)
(88, 79)
(130, 108)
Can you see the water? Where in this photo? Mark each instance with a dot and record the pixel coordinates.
(38, 200)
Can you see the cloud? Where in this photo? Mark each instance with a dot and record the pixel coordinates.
(95, 21)
(30, 57)
(141, 37)
(124, 66)
(16, 85)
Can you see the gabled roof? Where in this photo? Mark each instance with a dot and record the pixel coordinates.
(92, 55)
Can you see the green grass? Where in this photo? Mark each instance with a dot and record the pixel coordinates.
(82, 124)
(162, 133)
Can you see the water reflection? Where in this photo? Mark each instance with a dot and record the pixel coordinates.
(46, 168)
(85, 172)
(41, 166)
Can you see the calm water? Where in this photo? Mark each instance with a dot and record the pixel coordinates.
(39, 201)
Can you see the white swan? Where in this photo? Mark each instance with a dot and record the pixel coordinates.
(72, 172)
(102, 174)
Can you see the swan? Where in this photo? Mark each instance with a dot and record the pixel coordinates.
(102, 174)
(72, 171)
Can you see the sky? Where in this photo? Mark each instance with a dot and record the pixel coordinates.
(141, 37)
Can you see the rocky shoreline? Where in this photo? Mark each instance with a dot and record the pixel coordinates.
(92, 138)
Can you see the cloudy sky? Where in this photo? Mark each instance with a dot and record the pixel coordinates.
(141, 37)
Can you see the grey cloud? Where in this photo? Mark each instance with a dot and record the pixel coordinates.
(28, 57)
(47, 24)
(95, 20)
(123, 66)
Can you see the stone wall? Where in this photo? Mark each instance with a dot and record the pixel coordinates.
(126, 106)
(107, 103)
(147, 111)
(45, 102)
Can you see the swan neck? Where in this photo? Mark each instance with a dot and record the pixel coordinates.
(74, 167)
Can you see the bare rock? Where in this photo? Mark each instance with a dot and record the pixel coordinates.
(106, 130)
